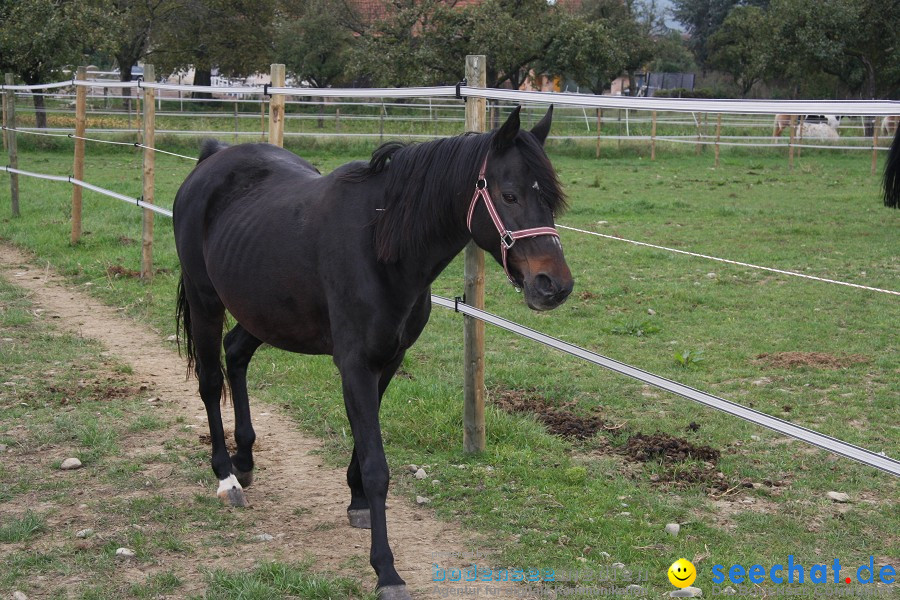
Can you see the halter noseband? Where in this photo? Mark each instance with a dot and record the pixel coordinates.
(507, 237)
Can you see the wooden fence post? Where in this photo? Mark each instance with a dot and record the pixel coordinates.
(236, 123)
(473, 403)
(262, 119)
(78, 166)
(276, 108)
(875, 144)
(3, 95)
(11, 145)
(699, 147)
(653, 135)
(718, 136)
(149, 168)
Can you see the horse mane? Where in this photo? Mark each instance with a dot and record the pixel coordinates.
(423, 177)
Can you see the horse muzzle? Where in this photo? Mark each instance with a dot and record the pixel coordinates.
(546, 292)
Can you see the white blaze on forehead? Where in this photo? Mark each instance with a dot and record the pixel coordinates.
(225, 485)
(536, 186)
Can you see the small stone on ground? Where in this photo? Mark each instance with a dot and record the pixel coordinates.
(263, 537)
(70, 464)
(420, 500)
(17, 595)
(83, 533)
(125, 552)
(673, 529)
(635, 590)
(688, 592)
(839, 496)
(421, 474)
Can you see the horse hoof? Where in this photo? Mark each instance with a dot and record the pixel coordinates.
(230, 491)
(394, 592)
(362, 519)
(234, 497)
(245, 478)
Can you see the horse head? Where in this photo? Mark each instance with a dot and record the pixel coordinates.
(511, 213)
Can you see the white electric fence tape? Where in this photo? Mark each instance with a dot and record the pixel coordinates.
(836, 446)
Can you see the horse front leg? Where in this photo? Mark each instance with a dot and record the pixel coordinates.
(358, 511)
(361, 399)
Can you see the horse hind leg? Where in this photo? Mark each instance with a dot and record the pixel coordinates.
(206, 318)
(239, 348)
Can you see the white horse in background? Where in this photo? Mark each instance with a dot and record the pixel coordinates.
(820, 127)
(782, 122)
(889, 125)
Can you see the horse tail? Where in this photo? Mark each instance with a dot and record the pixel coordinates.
(183, 336)
(210, 147)
(892, 174)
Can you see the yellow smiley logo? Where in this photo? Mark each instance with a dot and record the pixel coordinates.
(682, 573)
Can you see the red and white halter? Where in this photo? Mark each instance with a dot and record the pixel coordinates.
(507, 237)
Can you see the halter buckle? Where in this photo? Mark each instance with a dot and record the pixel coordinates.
(481, 183)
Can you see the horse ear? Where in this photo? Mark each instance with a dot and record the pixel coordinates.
(506, 135)
(541, 130)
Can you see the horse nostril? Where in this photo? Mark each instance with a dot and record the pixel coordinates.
(545, 285)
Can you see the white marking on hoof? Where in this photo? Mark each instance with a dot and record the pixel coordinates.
(228, 484)
(230, 491)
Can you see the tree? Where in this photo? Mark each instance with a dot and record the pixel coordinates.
(39, 38)
(671, 55)
(632, 37)
(313, 41)
(231, 35)
(127, 29)
(513, 34)
(740, 47)
(586, 52)
(702, 18)
(854, 40)
(423, 42)
(406, 46)
(130, 24)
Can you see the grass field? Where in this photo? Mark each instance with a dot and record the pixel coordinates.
(819, 355)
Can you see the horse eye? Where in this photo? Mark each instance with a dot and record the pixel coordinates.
(509, 198)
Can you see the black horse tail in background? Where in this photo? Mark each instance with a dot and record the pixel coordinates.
(892, 174)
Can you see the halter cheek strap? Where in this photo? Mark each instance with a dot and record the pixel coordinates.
(507, 237)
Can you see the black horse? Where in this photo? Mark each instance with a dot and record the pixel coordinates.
(892, 174)
(342, 265)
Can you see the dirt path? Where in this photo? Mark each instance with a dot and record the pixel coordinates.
(290, 478)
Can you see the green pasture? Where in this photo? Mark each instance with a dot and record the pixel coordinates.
(540, 500)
